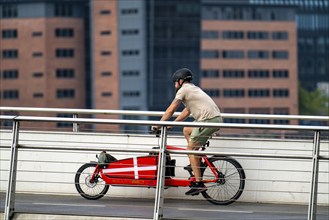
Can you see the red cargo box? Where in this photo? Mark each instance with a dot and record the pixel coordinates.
(133, 168)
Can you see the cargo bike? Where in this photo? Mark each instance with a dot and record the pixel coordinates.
(223, 176)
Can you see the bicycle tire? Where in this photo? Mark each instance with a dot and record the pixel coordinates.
(231, 184)
(92, 191)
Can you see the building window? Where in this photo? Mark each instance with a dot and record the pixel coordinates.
(9, 11)
(257, 35)
(233, 54)
(233, 93)
(105, 12)
(37, 75)
(65, 73)
(212, 92)
(210, 73)
(280, 54)
(64, 124)
(258, 73)
(9, 34)
(258, 54)
(36, 34)
(233, 73)
(107, 32)
(9, 74)
(281, 111)
(129, 11)
(258, 92)
(210, 35)
(106, 94)
(130, 52)
(131, 93)
(280, 73)
(280, 92)
(130, 73)
(130, 32)
(65, 93)
(259, 111)
(63, 10)
(234, 111)
(37, 54)
(226, 12)
(10, 54)
(64, 53)
(280, 35)
(38, 95)
(208, 54)
(106, 53)
(106, 73)
(8, 124)
(233, 35)
(64, 32)
(256, 14)
(281, 122)
(10, 94)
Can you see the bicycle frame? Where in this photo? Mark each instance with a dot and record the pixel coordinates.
(142, 171)
(220, 175)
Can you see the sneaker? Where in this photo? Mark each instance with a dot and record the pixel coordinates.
(196, 188)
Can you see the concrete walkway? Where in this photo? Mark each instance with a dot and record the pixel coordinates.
(69, 207)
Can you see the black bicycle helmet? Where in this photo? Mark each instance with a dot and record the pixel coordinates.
(184, 74)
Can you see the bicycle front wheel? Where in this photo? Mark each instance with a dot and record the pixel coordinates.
(93, 190)
(229, 187)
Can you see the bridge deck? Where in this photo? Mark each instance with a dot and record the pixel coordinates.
(128, 208)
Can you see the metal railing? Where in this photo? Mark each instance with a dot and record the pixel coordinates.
(158, 207)
(77, 112)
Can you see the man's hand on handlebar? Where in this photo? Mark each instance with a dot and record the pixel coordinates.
(156, 129)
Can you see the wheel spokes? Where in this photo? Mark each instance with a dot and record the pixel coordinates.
(228, 184)
(91, 188)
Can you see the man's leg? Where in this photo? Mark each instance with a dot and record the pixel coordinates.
(187, 133)
(195, 163)
(195, 160)
(199, 186)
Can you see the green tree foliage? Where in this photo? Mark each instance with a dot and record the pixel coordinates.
(313, 103)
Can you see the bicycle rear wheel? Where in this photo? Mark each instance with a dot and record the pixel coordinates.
(87, 189)
(230, 185)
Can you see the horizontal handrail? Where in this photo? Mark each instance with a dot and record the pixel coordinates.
(7, 117)
(213, 153)
(158, 113)
(167, 123)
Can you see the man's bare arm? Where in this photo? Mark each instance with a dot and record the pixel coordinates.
(171, 109)
(183, 115)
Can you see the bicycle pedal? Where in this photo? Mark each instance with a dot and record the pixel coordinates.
(188, 167)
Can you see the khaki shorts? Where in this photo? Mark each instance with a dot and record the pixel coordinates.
(201, 135)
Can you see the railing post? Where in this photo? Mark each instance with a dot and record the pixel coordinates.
(315, 174)
(159, 199)
(10, 196)
(75, 125)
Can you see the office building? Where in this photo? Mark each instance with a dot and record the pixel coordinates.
(249, 58)
(312, 19)
(43, 55)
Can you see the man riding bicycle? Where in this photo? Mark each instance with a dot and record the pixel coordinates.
(203, 109)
